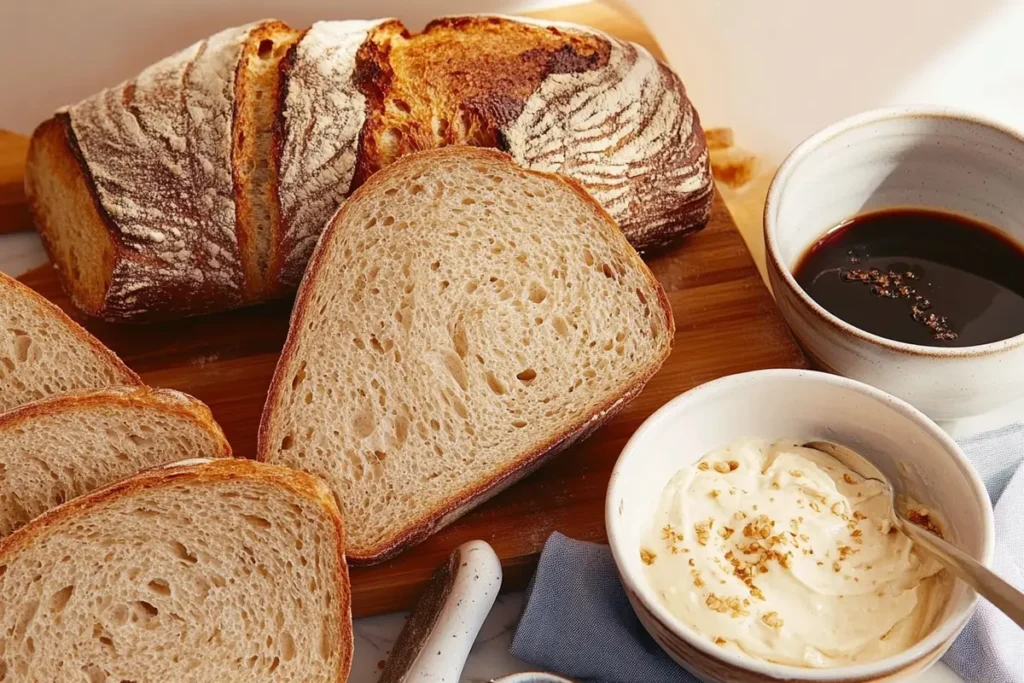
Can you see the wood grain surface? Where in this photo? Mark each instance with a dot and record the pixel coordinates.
(14, 214)
(726, 323)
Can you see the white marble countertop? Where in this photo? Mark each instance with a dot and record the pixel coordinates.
(376, 635)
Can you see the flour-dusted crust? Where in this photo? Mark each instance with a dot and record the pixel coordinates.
(322, 114)
(628, 133)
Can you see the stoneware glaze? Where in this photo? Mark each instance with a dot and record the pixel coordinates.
(908, 157)
(805, 405)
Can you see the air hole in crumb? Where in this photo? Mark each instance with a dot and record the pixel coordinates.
(59, 600)
(21, 347)
(588, 257)
(266, 48)
(538, 292)
(389, 220)
(257, 521)
(299, 376)
(402, 106)
(182, 553)
(608, 272)
(527, 375)
(435, 265)
(467, 201)
(287, 442)
(160, 587)
(519, 424)
(494, 383)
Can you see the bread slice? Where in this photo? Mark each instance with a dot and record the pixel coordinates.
(223, 570)
(63, 447)
(461, 320)
(254, 162)
(43, 352)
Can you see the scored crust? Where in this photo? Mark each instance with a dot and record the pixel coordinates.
(427, 523)
(167, 196)
(199, 472)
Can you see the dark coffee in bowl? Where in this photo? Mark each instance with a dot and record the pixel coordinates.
(919, 276)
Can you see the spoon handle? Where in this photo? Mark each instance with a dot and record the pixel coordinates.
(988, 584)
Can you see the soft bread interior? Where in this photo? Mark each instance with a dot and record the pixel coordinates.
(197, 574)
(254, 162)
(461, 316)
(43, 353)
(61, 448)
(67, 216)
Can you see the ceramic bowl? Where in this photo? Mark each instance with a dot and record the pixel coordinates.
(798, 404)
(898, 158)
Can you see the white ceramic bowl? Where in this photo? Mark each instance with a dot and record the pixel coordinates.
(800, 404)
(898, 158)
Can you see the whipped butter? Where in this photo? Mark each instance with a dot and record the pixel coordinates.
(782, 553)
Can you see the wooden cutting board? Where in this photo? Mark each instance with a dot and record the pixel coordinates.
(726, 323)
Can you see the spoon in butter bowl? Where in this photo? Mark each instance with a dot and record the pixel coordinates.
(987, 583)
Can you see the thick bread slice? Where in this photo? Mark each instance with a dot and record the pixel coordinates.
(223, 570)
(43, 352)
(254, 161)
(461, 319)
(63, 447)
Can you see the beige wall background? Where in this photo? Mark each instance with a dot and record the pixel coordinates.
(56, 52)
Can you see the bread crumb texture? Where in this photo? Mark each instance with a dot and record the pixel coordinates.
(65, 447)
(191, 580)
(44, 353)
(461, 316)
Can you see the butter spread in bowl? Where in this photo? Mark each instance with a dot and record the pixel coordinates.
(784, 554)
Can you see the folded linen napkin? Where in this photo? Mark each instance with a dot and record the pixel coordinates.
(577, 621)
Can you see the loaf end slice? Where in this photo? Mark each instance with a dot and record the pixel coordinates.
(224, 570)
(462, 319)
(43, 352)
(63, 447)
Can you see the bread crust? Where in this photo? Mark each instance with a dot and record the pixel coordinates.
(198, 473)
(124, 375)
(447, 511)
(166, 401)
(557, 97)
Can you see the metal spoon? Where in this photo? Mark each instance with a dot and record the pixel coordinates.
(988, 584)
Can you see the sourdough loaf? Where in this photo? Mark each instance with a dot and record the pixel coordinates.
(43, 352)
(461, 320)
(62, 447)
(204, 183)
(225, 570)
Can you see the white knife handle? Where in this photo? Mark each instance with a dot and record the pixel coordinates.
(440, 632)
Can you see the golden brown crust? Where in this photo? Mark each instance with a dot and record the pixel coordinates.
(199, 473)
(256, 99)
(124, 375)
(458, 82)
(461, 503)
(142, 397)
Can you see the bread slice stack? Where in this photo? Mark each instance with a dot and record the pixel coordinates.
(43, 352)
(225, 570)
(66, 446)
(461, 320)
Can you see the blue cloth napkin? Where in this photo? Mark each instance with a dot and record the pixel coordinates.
(578, 622)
